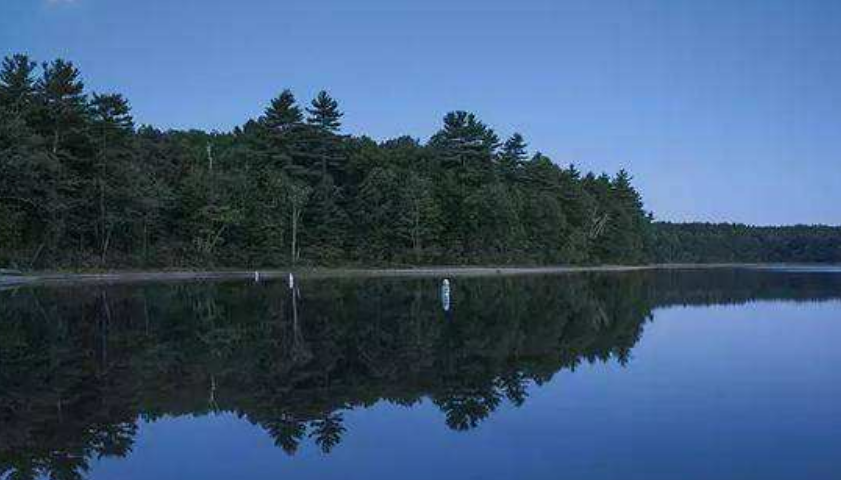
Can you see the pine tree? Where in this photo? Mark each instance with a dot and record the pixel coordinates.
(544, 215)
(512, 156)
(322, 155)
(632, 225)
(112, 113)
(514, 149)
(17, 84)
(463, 132)
(24, 172)
(29, 198)
(419, 221)
(282, 113)
(116, 176)
(63, 100)
(464, 149)
(325, 113)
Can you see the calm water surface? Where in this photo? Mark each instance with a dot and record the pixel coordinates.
(719, 374)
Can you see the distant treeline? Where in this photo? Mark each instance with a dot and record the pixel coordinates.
(726, 242)
(82, 186)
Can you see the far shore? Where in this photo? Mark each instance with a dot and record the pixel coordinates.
(120, 277)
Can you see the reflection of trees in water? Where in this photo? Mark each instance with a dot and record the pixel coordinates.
(79, 366)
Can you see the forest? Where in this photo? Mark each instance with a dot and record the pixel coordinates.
(82, 186)
(727, 242)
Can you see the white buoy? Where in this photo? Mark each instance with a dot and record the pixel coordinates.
(445, 295)
(256, 277)
(291, 280)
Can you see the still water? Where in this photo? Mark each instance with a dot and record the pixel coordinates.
(717, 374)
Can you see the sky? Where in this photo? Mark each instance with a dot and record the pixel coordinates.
(722, 110)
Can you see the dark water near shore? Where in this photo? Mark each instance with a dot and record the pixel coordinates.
(724, 374)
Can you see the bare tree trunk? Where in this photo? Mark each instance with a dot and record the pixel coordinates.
(416, 234)
(212, 244)
(294, 235)
(105, 236)
(37, 254)
(105, 245)
(101, 213)
(210, 156)
(145, 241)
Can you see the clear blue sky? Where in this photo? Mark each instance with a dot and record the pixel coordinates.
(723, 110)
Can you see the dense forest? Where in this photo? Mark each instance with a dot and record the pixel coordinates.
(726, 242)
(82, 186)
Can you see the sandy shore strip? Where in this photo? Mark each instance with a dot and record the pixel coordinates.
(120, 277)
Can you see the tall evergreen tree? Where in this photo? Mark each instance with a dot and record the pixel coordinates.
(116, 171)
(324, 112)
(463, 133)
(514, 149)
(112, 114)
(61, 92)
(17, 83)
(512, 156)
(29, 198)
(464, 149)
(282, 113)
(22, 180)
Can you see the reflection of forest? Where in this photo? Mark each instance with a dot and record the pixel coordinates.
(79, 366)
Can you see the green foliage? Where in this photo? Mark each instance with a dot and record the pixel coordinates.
(325, 113)
(17, 78)
(512, 156)
(729, 242)
(82, 186)
(397, 217)
(282, 113)
(61, 105)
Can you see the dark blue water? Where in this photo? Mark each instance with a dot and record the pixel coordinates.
(726, 374)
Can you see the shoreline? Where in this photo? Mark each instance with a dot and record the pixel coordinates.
(128, 277)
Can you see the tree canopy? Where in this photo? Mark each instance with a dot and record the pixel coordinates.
(83, 186)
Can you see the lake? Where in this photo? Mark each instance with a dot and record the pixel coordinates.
(673, 374)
